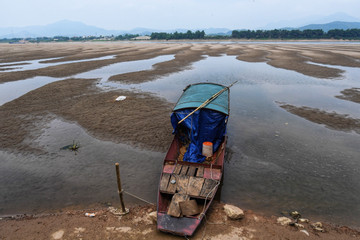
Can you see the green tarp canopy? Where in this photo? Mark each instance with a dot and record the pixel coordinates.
(196, 94)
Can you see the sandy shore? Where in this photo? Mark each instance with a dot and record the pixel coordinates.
(80, 101)
(73, 224)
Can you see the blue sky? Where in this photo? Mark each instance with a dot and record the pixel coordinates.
(170, 14)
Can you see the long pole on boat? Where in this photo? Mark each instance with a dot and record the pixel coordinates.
(208, 101)
(119, 188)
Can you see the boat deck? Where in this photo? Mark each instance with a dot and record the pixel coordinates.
(195, 181)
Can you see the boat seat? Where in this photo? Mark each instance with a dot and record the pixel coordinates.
(198, 187)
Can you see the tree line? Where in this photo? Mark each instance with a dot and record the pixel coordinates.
(70, 39)
(177, 35)
(349, 34)
(297, 34)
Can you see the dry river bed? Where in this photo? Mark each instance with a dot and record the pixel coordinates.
(80, 101)
(95, 110)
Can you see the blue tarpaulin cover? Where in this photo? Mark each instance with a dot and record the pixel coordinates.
(206, 124)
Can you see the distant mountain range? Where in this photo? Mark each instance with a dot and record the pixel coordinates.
(61, 28)
(333, 25)
(68, 28)
(72, 28)
(300, 22)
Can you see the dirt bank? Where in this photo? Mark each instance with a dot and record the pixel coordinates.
(331, 120)
(352, 94)
(73, 224)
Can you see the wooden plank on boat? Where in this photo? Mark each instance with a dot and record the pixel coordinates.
(213, 173)
(191, 171)
(208, 186)
(189, 207)
(168, 168)
(200, 171)
(171, 187)
(164, 181)
(184, 170)
(195, 186)
(177, 169)
(182, 183)
(174, 207)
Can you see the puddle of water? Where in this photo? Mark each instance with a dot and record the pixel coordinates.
(276, 160)
(106, 72)
(41, 63)
(12, 90)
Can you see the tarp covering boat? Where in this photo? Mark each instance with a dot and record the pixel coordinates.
(208, 124)
(194, 95)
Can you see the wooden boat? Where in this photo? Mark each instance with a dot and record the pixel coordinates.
(189, 180)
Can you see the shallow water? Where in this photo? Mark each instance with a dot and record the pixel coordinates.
(62, 178)
(276, 161)
(42, 63)
(12, 90)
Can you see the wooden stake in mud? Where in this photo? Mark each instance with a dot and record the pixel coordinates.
(119, 188)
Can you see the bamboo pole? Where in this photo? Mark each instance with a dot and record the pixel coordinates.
(119, 187)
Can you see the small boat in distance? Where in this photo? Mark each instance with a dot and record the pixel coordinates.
(193, 167)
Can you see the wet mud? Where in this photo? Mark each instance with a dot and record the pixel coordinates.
(142, 120)
(352, 94)
(332, 120)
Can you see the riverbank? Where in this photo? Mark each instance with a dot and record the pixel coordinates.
(138, 224)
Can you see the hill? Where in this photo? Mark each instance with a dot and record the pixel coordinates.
(61, 28)
(332, 25)
(68, 28)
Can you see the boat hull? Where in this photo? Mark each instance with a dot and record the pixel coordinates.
(179, 226)
(187, 225)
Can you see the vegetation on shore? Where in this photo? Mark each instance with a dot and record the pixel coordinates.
(350, 34)
(265, 34)
(276, 34)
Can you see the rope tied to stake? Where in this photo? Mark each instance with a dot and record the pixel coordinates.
(139, 198)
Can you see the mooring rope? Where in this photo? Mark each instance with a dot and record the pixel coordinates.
(202, 213)
(137, 197)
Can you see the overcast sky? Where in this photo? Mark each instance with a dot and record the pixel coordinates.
(170, 14)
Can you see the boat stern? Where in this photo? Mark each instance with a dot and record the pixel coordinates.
(183, 226)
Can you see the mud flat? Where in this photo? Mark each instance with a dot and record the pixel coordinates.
(142, 121)
(352, 94)
(331, 120)
(78, 100)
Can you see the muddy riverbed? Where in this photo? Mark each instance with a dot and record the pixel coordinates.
(293, 129)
